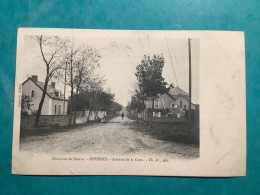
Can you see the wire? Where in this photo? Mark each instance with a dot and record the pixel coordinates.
(171, 59)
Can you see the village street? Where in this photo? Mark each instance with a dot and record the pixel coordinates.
(117, 137)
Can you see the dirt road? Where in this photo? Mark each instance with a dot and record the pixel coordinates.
(115, 137)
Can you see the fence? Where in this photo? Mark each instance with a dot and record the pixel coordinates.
(45, 121)
(166, 119)
(82, 116)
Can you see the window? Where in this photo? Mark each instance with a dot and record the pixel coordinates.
(184, 107)
(59, 109)
(181, 104)
(56, 93)
(32, 93)
(174, 106)
(156, 104)
(159, 114)
(55, 109)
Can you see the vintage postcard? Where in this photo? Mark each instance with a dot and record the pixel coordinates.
(129, 102)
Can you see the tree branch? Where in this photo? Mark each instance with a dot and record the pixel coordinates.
(40, 44)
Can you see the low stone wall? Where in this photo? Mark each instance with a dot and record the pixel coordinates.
(166, 119)
(45, 121)
(82, 116)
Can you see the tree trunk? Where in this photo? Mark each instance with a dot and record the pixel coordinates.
(151, 121)
(65, 80)
(143, 109)
(71, 105)
(98, 108)
(153, 104)
(75, 107)
(71, 85)
(96, 112)
(90, 106)
(38, 114)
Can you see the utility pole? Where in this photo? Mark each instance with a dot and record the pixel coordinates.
(64, 89)
(189, 115)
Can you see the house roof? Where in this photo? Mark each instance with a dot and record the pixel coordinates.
(172, 97)
(185, 97)
(178, 91)
(50, 90)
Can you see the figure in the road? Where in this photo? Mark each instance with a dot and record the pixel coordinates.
(122, 115)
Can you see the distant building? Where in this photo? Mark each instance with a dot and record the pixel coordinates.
(173, 104)
(54, 99)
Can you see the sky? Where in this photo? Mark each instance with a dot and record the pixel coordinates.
(121, 53)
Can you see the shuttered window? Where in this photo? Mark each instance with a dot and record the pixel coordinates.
(32, 93)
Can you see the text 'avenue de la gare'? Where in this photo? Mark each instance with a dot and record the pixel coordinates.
(111, 159)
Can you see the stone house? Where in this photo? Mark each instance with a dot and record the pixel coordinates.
(54, 103)
(173, 104)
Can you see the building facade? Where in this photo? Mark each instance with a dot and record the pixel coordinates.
(54, 102)
(173, 104)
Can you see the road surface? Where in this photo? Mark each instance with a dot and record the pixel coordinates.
(115, 137)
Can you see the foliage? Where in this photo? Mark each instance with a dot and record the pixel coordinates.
(150, 81)
(26, 102)
(136, 103)
(103, 101)
(80, 63)
(75, 65)
(115, 107)
(51, 49)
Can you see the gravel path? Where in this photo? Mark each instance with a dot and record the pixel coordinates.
(116, 137)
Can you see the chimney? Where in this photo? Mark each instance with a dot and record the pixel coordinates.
(35, 78)
(53, 85)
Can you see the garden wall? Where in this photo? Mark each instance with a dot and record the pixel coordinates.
(45, 121)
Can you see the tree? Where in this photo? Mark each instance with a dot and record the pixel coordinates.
(100, 101)
(81, 63)
(137, 103)
(87, 62)
(70, 58)
(151, 83)
(115, 107)
(93, 86)
(26, 103)
(51, 48)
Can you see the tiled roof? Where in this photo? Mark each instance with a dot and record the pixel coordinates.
(178, 91)
(50, 90)
(172, 96)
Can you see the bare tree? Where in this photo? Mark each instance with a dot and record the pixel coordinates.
(70, 59)
(87, 62)
(93, 86)
(51, 49)
(81, 63)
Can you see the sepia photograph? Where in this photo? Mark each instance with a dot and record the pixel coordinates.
(108, 97)
(112, 95)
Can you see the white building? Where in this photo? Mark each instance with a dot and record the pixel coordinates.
(53, 104)
(173, 104)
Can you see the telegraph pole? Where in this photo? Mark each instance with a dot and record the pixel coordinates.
(189, 115)
(65, 80)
